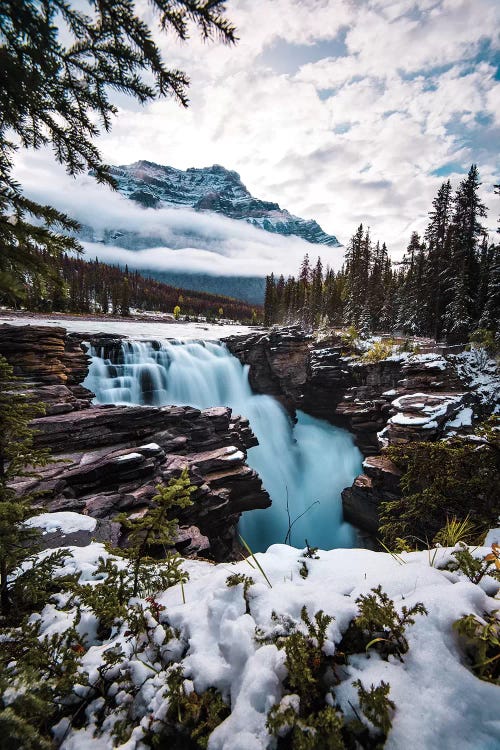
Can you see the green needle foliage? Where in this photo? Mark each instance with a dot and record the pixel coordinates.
(376, 705)
(455, 479)
(17, 459)
(155, 528)
(482, 644)
(308, 718)
(59, 65)
(191, 717)
(379, 626)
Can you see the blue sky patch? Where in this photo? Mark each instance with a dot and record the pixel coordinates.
(342, 127)
(451, 167)
(325, 94)
(284, 57)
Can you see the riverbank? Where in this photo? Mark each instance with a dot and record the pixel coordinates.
(143, 327)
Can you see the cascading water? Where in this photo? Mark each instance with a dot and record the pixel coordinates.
(300, 466)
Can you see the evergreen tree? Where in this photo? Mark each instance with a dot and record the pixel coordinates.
(316, 292)
(303, 291)
(467, 231)
(17, 455)
(388, 312)
(490, 318)
(437, 236)
(486, 258)
(155, 528)
(376, 285)
(357, 268)
(280, 299)
(333, 297)
(413, 302)
(270, 301)
(125, 298)
(57, 65)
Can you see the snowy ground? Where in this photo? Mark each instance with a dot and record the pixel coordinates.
(439, 702)
(134, 329)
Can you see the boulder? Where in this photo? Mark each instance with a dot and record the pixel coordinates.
(110, 459)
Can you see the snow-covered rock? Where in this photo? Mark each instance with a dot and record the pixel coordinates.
(420, 416)
(65, 521)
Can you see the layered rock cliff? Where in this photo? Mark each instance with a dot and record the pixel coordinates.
(404, 398)
(109, 459)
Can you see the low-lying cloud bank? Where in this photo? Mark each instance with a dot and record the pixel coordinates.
(117, 230)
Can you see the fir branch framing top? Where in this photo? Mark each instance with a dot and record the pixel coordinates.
(58, 68)
(56, 92)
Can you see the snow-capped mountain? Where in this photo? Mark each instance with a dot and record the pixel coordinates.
(213, 189)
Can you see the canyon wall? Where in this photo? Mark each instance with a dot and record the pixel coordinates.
(109, 459)
(400, 399)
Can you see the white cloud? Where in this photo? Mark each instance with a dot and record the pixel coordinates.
(414, 91)
(168, 239)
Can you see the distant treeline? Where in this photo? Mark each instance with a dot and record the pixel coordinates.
(448, 283)
(80, 286)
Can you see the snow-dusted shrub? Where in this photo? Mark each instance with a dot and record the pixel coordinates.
(36, 581)
(191, 717)
(481, 637)
(378, 351)
(482, 338)
(379, 626)
(44, 680)
(376, 705)
(350, 338)
(457, 478)
(308, 716)
(475, 568)
(247, 581)
(156, 529)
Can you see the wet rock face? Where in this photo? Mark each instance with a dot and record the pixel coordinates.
(45, 353)
(379, 481)
(421, 417)
(110, 459)
(322, 380)
(397, 400)
(278, 363)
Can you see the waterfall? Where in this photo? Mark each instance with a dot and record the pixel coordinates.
(303, 466)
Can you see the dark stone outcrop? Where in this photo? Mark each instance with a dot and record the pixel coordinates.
(379, 481)
(44, 353)
(278, 363)
(51, 364)
(109, 459)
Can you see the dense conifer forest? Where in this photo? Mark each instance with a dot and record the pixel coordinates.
(75, 285)
(447, 285)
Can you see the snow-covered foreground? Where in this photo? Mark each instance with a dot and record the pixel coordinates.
(439, 702)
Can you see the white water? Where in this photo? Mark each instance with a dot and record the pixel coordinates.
(311, 461)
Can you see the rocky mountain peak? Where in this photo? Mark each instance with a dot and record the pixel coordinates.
(214, 189)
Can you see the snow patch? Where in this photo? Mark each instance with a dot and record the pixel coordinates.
(130, 457)
(492, 537)
(462, 419)
(439, 702)
(65, 521)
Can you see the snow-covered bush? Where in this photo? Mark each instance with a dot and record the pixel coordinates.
(209, 665)
(457, 479)
(378, 351)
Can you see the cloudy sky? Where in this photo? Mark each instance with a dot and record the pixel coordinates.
(344, 111)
